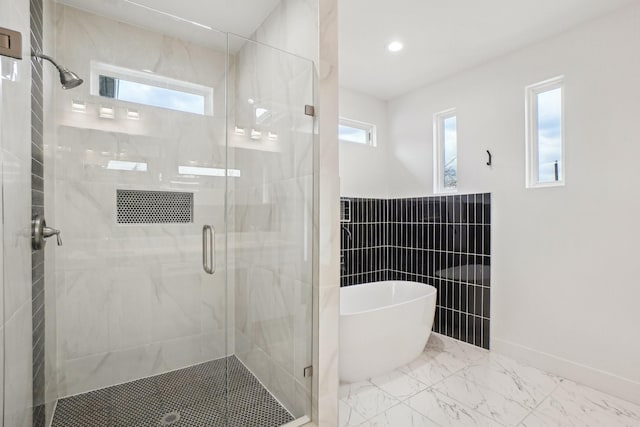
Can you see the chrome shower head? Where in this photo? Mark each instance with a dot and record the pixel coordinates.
(68, 79)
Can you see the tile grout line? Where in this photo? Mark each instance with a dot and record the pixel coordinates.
(484, 386)
(464, 405)
(429, 387)
(452, 374)
(469, 362)
(401, 403)
(541, 402)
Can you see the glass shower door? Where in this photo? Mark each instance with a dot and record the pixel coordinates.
(184, 192)
(140, 198)
(270, 193)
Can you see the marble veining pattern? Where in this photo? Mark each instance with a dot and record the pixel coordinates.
(457, 384)
(15, 171)
(136, 300)
(273, 216)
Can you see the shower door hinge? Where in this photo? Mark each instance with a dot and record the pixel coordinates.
(10, 43)
(308, 372)
(310, 110)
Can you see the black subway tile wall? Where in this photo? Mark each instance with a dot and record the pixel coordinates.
(364, 242)
(443, 241)
(37, 208)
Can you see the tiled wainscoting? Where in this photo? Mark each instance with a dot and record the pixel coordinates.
(443, 241)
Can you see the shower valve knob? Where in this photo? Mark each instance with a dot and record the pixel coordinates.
(48, 232)
(40, 232)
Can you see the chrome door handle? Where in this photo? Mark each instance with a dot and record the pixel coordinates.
(208, 249)
(40, 232)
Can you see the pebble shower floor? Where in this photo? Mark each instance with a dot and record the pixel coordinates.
(200, 395)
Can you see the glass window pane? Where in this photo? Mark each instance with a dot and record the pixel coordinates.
(140, 93)
(351, 134)
(450, 152)
(549, 133)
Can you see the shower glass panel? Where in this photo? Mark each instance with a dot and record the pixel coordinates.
(183, 189)
(270, 140)
(140, 320)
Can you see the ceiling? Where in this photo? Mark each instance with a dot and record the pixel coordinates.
(444, 37)
(190, 17)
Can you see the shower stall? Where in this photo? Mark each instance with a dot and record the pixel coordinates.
(183, 192)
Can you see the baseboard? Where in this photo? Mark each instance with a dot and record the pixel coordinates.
(607, 382)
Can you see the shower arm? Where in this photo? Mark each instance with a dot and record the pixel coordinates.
(68, 79)
(48, 58)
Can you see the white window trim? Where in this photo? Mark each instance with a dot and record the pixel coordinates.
(368, 127)
(531, 132)
(98, 68)
(438, 151)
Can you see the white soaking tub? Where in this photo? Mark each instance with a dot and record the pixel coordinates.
(383, 325)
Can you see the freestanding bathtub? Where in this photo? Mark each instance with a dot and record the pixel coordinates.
(383, 325)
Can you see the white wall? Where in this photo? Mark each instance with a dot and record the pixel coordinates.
(363, 169)
(565, 287)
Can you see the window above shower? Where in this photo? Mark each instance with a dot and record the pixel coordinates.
(148, 88)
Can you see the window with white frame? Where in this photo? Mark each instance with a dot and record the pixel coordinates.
(147, 88)
(445, 151)
(545, 133)
(357, 132)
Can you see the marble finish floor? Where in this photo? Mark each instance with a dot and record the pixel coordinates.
(457, 384)
(221, 392)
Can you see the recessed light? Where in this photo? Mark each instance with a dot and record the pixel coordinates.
(133, 114)
(106, 112)
(78, 106)
(395, 47)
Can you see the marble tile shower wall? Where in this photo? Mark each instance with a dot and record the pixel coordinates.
(308, 28)
(16, 332)
(134, 300)
(443, 241)
(273, 210)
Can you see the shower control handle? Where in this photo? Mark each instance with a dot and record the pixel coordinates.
(48, 232)
(40, 232)
(208, 249)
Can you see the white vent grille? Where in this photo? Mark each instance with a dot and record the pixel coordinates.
(154, 207)
(345, 210)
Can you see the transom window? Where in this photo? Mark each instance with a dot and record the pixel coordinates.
(147, 88)
(357, 132)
